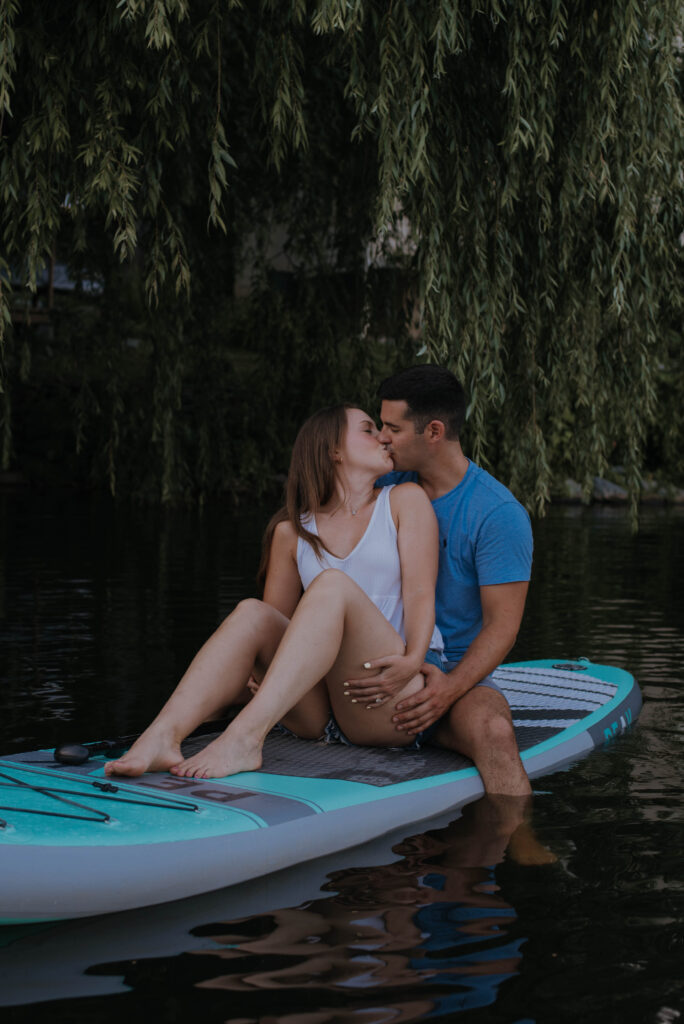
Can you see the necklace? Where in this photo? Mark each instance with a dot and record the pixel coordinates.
(355, 509)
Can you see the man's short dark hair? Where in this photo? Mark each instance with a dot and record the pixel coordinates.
(431, 393)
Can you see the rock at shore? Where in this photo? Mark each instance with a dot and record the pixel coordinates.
(608, 492)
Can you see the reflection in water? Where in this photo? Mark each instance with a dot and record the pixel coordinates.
(427, 936)
(101, 608)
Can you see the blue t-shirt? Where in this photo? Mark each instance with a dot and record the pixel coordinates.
(485, 538)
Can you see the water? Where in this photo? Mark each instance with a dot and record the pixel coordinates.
(101, 608)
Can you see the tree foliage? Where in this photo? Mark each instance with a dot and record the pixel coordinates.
(514, 168)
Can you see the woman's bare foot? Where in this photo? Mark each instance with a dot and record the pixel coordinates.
(226, 755)
(154, 751)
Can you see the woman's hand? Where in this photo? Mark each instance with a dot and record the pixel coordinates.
(384, 679)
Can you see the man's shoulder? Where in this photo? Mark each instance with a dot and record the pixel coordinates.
(482, 508)
(490, 491)
(395, 477)
(491, 527)
(478, 490)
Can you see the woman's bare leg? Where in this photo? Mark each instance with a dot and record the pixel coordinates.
(334, 630)
(245, 641)
(310, 715)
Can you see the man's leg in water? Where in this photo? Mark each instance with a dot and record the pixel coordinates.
(246, 641)
(480, 726)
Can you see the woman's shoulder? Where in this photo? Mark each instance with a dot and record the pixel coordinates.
(285, 535)
(408, 493)
(409, 502)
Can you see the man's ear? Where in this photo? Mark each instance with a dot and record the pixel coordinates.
(435, 431)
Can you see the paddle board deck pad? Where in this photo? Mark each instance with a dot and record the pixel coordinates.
(75, 843)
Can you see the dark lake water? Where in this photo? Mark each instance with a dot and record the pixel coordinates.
(102, 607)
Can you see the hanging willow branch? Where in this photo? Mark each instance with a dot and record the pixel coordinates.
(517, 166)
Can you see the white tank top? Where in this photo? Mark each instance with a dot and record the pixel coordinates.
(373, 564)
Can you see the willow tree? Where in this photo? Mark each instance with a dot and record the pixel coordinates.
(493, 185)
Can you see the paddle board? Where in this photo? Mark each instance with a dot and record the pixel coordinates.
(75, 843)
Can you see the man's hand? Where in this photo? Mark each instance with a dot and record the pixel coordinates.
(386, 677)
(502, 608)
(417, 712)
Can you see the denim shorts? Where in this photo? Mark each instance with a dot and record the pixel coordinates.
(333, 733)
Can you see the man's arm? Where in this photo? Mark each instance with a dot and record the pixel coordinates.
(502, 610)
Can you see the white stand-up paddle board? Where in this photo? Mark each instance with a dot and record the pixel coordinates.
(74, 842)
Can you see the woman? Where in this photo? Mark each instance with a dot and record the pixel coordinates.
(343, 540)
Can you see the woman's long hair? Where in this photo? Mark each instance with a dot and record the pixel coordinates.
(311, 478)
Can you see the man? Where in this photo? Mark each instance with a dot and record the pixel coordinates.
(484, 570)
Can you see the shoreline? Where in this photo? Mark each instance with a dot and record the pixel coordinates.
(608, 492)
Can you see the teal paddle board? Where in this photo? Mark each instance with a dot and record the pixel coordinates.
(75, 843)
